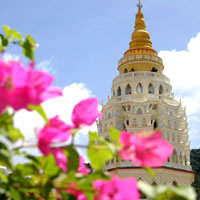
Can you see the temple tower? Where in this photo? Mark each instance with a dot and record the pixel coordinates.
(142, 99)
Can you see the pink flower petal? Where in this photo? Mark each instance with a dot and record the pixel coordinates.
(116, 189)
(55, 131)
(150, 151)
(82, 168)
(86, 112)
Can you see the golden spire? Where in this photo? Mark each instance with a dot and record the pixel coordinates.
(140, 36)
(139, 5)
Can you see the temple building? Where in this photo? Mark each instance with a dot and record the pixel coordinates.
(142, 99)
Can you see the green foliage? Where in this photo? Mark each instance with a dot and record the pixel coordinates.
(39, 109)
(165, 192)
(99, 151)
(3, 43)
(7, 129)
(195, 162)
(12, 36)
(115, 136)
(73, 159)
(29, 46)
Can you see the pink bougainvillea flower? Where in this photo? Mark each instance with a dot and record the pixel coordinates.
(82, 168)
(116, 189)
(20, 87)
(55, 131)
(40, 87)
(73, 189)
(145, 149)
(86, 112)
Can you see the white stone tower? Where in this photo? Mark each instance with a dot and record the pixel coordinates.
(142, 99)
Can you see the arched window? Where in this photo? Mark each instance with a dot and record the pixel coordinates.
(154, 183)
(168, 138)
(175, 126)
(139, 111)
(105, 127)
(174, 157)
(155, 125)
(124, 126)
(113, 93)
(168, 124)
(151, 88)
(154, 69)
(173, 138)
(161, 89)
(125, 70)
(124, 108)
(171, 114)
(144, 123)
(128, 90)
(132, 70)
(127, 122)
(185, 160)
(178, 138)
(108, 116)
(174, 183)
(180, 159)
(119, 91)
(134, 122)
(139, 88)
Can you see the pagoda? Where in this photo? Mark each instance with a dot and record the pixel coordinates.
(142, 99)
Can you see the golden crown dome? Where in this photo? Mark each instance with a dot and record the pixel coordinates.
(140, 36)
(140, 56)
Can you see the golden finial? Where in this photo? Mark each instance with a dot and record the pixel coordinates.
(139, 5)
(140, 36)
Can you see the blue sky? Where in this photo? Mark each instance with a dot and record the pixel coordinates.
(82, 41)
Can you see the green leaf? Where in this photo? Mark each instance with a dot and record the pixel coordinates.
(47, 189)
(3, 176)
(150, 172)
(73, 159)
(39, 109)
(7, 30)
(15, 194)
(3, 42)
(115, 135)
(99, 151)
(7, 129)
(11, 33)
(29, 46)
(3, 146)
(50, 168)
(26, 169)
(5, 158)
(14, 134)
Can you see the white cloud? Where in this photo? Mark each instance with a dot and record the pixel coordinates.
(9, 56)
(183, 69)
(62, 106)
(46, 65)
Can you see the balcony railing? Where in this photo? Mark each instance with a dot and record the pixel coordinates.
(140, 76)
